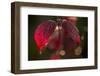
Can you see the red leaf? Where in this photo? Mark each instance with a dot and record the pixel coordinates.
(55, 57)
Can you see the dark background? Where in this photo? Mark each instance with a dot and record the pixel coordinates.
(35, 20)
